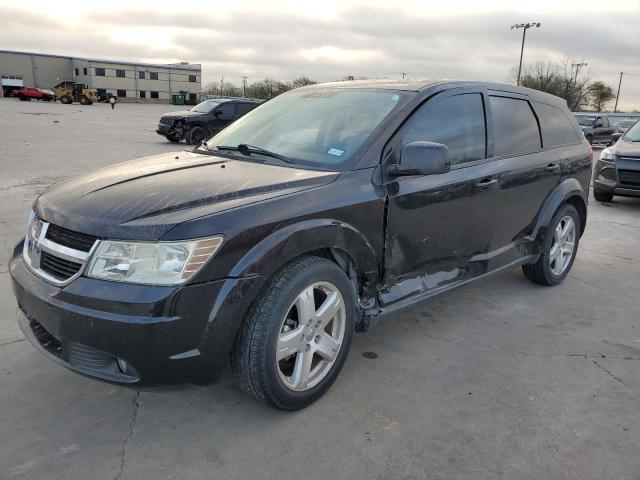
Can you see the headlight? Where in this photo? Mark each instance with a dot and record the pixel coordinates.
(606, 155)
(156, 263)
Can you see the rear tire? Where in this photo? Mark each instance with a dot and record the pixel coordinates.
(279, 357)
(66, 100)
(602, 196)
(196, 136)
(547, 271)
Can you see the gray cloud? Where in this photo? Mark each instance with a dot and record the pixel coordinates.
(383, 42)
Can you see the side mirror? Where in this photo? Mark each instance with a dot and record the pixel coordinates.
(616, 136)
(421, 158)
(217, 112)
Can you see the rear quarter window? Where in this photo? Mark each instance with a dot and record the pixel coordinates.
(556, 127)
(515, 126)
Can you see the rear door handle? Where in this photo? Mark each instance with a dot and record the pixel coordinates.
(486, 183)
(552, 167)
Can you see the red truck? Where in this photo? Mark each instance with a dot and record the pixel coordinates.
(27, 93)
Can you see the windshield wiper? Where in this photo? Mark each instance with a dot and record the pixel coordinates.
(247, 150)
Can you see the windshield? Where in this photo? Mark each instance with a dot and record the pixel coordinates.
(319, 127)
(586, 120)
(633, 134)
(205, 107)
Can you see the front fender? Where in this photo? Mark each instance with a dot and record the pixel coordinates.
(297, 239)
(568, 188)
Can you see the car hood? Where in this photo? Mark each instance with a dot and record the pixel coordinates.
(182, 114)
(143, 199)
(624, 147)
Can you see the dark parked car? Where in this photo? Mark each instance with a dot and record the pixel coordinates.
(203, 120)
(321, 211)
(597, 128)
(617, 170)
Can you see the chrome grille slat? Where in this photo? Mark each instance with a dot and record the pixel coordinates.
(58, 263)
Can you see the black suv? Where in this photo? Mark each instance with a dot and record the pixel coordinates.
(617, 171)
(203, 120)
(321, 211)
(597, 128)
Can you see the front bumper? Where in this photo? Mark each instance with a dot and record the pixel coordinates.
(173, 130)
(165, 335)
(618, 177)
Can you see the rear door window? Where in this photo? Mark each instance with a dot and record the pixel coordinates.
(557, 129)
(457, 122)
(515, 128)
(244, 107)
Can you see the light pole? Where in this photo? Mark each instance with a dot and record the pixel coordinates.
(615, 108)
(575, 82)
(244, 86)
(525, 27)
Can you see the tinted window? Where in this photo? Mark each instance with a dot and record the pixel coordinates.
(228, 109)
(244, 108)
(556, 126)
(457, 122)
(515, 126)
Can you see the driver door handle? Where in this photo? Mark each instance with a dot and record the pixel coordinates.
(486, 183)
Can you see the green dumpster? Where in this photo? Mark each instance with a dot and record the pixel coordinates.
(177, 99)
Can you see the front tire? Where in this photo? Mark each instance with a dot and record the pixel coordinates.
(296, 337)
(173, 139)
(196, 136)
(559, 248)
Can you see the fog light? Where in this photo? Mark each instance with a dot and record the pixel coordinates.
(122, 365)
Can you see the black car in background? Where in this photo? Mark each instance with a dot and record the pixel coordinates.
(323, 210)
(617, 171)
(203, 120)
(597, 128)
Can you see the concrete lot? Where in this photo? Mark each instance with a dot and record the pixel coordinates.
(502, 379)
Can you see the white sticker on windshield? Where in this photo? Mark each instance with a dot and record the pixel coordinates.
(335, 151)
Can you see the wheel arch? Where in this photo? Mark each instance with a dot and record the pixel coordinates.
(568, 191)
(332, 239)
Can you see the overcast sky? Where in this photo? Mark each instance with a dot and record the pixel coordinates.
(328, 39)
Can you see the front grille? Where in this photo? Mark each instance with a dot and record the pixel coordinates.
(629, 177)
(57, 267)
(166, 121)
(87, 357)
(67, 238)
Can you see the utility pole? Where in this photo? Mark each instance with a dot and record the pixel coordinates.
(575, 82)
(615, 108)
(244, 86)
(403, 75)
(221, 83)
(525, 27)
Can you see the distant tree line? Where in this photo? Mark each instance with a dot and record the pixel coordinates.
(560, 79)
(267, 88)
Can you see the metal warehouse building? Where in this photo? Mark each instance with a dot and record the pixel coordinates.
(134, 82)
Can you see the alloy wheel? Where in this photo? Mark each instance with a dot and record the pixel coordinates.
(311, 336)
(564, 240)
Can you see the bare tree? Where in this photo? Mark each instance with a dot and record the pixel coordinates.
(302, 81)
(557, 78)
